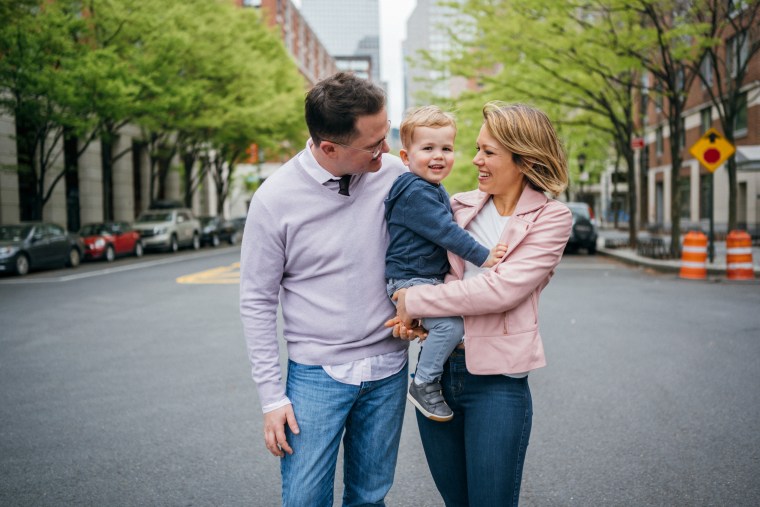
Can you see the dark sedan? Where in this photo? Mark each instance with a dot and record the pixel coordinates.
(584, 233)
(30, 246)
(214, 230)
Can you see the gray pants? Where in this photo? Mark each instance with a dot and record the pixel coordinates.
(444, 334)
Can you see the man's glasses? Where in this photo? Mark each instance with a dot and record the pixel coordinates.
(376, 151)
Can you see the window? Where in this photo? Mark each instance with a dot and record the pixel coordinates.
(740, 120)
(705, 120)
(735, 7)
(251, 3)
(737, 52)
(658, 141)
(706, 71)
(684, 192)
(704, 196)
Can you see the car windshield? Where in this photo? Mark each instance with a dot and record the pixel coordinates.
(93, 230)
(580, 209)
(206, 220)
(155, 217)
(14, 232)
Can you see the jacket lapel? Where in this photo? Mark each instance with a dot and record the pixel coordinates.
(468, 204)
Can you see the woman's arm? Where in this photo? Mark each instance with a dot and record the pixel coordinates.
(526, 267)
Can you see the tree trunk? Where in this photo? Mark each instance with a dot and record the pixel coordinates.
(30, 201)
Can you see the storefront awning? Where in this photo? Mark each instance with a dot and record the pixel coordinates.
(748, 158)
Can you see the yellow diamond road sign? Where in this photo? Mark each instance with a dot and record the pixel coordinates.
(712, 150)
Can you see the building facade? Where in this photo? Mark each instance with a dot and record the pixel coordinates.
(347, 28)
(425, 32)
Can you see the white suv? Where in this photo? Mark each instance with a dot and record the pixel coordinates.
(169, 229)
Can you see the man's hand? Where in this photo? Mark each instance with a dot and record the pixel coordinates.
(274, 430)
(406, 333)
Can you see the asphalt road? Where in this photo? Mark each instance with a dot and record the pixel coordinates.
(127, 384)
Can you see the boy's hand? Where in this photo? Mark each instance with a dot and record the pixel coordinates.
(497, 253)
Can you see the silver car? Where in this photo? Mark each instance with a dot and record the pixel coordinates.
(169, 229)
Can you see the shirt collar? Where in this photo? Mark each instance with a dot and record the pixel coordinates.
(312, 167)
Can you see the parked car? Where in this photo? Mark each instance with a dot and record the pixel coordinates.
(169, 229)
(108, 239)
(214, 230)
(584, 231)
(28, 246)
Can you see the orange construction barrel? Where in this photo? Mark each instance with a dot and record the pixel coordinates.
(694, 256)
(739, 256)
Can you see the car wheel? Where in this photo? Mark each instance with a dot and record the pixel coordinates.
(22, 265)
(215, 240)
(591, 249)
(139, 250)
(197, 241)
(110, 254)
(173, 244)
(233, 238)
(74, 258)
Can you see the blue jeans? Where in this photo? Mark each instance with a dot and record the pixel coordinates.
(444, 334)
(368, 417)
(477, 458)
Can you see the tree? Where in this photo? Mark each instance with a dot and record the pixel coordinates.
(556, 55)
(38, 49)
(668, 45)
(734, 29)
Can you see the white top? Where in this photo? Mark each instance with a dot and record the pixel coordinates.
(486, 229)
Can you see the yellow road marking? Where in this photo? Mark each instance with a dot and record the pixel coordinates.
(221, 276)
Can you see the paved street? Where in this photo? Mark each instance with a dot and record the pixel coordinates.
(127, 384)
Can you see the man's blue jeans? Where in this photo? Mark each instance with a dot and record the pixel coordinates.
(477, 458)
(368, 417)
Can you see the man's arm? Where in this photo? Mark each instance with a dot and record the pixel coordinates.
(262, 261)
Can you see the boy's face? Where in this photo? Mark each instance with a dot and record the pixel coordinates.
(431, 155)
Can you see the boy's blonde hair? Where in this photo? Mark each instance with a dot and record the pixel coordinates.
(528, 133)
(425, 116)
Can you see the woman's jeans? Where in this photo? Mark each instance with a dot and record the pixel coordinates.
(477, 458)
(368, 417)
(444, 333)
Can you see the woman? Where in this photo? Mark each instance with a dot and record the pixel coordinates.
(477, 459)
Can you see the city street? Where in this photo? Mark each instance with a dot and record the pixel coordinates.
(128, 385)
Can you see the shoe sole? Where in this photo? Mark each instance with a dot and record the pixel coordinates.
(427, 414)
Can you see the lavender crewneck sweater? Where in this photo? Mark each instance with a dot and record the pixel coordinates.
(323, 254)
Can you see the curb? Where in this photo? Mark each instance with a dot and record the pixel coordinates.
(666, 266)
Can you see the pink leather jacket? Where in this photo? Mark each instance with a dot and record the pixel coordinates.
(500, 307)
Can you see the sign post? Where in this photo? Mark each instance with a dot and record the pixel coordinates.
(712, 150)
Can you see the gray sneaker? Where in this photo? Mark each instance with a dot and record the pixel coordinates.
(428, 398)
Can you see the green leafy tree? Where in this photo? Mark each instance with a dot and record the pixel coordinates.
(555, 55)
(39, 47)
(732, 30)
(668, 45)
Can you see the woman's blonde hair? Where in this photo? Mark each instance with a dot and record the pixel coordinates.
(528, 133)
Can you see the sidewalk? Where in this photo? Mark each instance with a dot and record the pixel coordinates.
(608, 237)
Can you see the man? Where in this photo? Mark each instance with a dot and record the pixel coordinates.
(314, 242)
